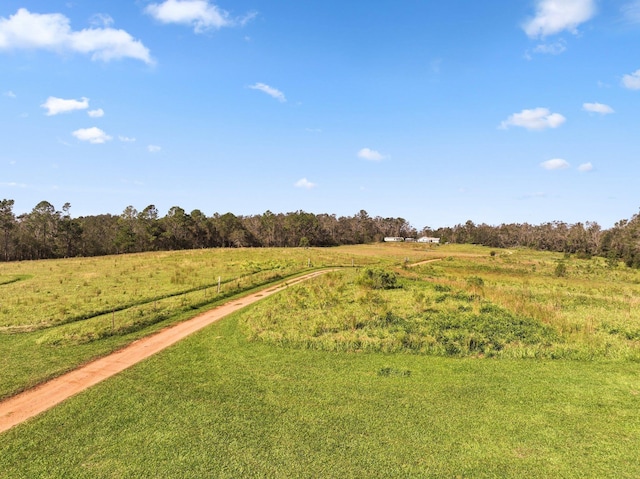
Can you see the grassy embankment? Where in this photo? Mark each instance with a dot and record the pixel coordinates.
(365, 385)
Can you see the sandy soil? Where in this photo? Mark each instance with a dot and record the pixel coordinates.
(25, 405)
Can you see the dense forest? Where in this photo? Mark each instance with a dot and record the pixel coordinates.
(48, 233)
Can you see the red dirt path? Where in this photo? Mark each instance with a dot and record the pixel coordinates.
(32, 402)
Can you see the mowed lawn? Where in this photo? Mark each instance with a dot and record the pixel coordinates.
(216, 405)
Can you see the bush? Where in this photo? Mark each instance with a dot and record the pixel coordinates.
(376, 278)
(561, 270)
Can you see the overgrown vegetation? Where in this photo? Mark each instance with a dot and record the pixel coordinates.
(377, 278)
(519, 304)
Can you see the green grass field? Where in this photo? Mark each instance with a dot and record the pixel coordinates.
(216, 405)
(58, 314)
(479, 364)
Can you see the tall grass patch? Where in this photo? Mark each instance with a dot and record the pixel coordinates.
(511, 304)
(352, 311)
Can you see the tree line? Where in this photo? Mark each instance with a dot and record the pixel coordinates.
(619, 243)
(46, 232)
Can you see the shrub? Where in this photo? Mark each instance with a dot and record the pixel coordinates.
(376, 278)
(561, 270)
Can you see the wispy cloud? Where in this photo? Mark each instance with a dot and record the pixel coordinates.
(632, 80)
(585, 167)
(202, 15)
(370, 155)
(154, 149)
(272, 92)
(304, 183)
(101, 20)
(55, 106)
(530, 196)
(92, 135)
(52, 31)
(597, 108)
(555, 48)
(631, 11)
(555, 16)
(98, 113)
(535, 119)
(9, 94)
(126, 139)
(13, 184)
(555, 164)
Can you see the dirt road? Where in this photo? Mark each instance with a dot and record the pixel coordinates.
(424, 262)
(19, 408)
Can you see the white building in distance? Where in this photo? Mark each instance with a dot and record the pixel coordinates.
(426, 239)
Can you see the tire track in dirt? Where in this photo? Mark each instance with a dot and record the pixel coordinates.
(424, 262)
(34, 401)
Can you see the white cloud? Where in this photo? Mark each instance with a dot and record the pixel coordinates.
(632, 81)
(585, 167)
(200, 14)
(13, 184)
(273, 92)
(555, 48)
(597, 108)
(555, 16)
(10, 94)
(55, 105)
(154, 148)
(126, 139)
(52, 31)
(536, 119)
(304, 183)
(99, 113)
(101, 20)
(370, 155)
(92, 135)
(555, 164)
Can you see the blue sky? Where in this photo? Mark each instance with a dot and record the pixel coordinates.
(437, 112)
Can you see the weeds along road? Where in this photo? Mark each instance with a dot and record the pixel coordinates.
(32, 402)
